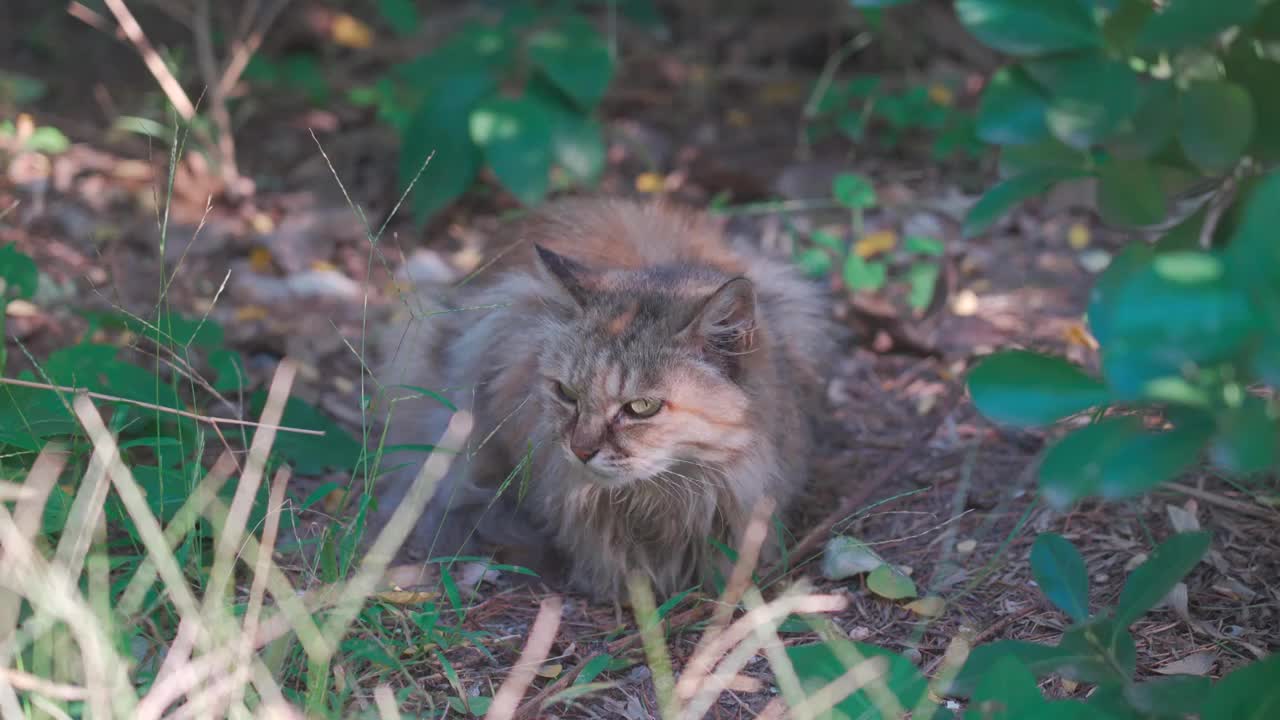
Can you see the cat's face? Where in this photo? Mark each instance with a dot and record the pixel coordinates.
(641, 375)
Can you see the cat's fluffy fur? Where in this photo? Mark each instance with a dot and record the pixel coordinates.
(609, 301)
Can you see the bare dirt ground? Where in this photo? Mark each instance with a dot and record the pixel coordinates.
(714, 108)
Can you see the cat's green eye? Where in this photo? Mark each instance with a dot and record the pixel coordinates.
(565, 394)
(643, 407)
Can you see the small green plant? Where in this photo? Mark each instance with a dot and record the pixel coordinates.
(44, 139)
(869, 262)
(517, 96)
(862, 110)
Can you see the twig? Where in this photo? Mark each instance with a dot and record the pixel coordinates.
(208, 63)
(215, 421)
(535, 652)
(168, 83)
(38, 685)
(248, 42)
(1225, 502)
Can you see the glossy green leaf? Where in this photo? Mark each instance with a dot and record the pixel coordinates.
(577, 140)
(1129, 194)
(1247, 438)
(853, 191)
(1004, 196)
(440, 126)
(1050, 153)
(1181, 23)
(1025, 388)
(858, 274)
(1151, 581)
(1060, 572)
(1072, 467)
(1250, 692)
(889, 582)
(1177, 312)
(574, 57)
(1091, 95)
(515, 135)
(1217, 123)
(1153, 124)
(1030, 28)
(1012, 109)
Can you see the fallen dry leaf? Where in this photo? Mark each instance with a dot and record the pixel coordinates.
(649, 182)
(931, 606)
(1183, 519)
(1199, 663)
(1079, 236)
(347, 31)
(875, 243)
(407, 597)
(964, 547)
(550, 670)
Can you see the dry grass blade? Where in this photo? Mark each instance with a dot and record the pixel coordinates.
(229, 539)
(655, 646)
(262, 567)
(168, 83)
(397, 528)
(535, 652)
(385, 700)
(30, 683)
(29, 510)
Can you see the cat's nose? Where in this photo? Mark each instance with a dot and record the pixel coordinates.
(584, 453)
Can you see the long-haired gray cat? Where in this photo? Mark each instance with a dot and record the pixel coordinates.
(637, 386)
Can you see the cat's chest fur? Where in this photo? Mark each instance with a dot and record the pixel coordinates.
(637, 385)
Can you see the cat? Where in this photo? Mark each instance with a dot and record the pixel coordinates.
(637, 386)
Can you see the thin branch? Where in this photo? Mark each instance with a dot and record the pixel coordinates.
(534, 653)
(215, 421)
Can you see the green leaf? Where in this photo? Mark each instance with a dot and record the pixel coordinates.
(1018, 27)
(1246, 439)
(922, 279)
(924, 245)
(577, 140)
(19, 276)
(1072, 467)
(47, 140)
(859, 274)
(575, 59)
(817, 664)
(1257, 75)
(1025, 388)
(1153, 124)
(1049, 153)
(515, 134)
(1001, 198)
(1182, 23)
(440, 126)
(228, 369)
(1100, 652)
(1178, 312)
(336, 450)
(1091, 95)
(1253, 253)
(592, 669)
(1250, 692)
(401, 15)
(828, 240)
(1012, 109)
(853, 191)
(1129, 193)
(1217, 124)
(1041, 660)
(1007, 691)
(1060, 572)
(1151, 581)
(1168, 696)
(814, 262)
(889, 582)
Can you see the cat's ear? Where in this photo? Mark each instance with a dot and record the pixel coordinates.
(572, 276)
(725, 324)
